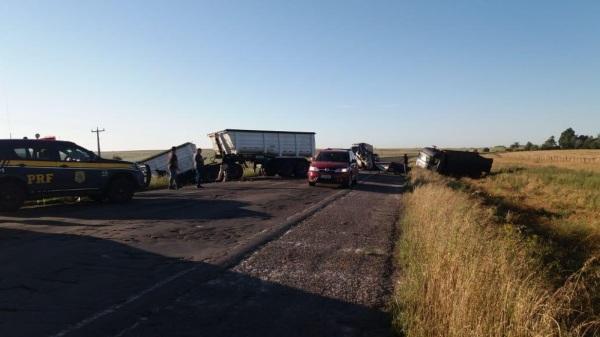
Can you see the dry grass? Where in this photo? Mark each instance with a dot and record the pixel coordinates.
(571, 159)
(555, 193)
(468, 272)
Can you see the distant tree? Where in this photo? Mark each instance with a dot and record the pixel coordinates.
(585, 142)
(567, 139)
(596, 143)
(515, 146)
(485, 149)
(529, 146)
(549, 144)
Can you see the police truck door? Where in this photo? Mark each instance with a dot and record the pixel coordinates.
(79, 170)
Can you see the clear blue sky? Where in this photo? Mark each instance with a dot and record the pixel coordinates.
(395, 74)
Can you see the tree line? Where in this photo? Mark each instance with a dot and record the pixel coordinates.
(568, 140)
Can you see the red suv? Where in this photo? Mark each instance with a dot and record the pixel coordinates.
(333, 166)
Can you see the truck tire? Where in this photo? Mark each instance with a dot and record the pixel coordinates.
(120, 190)
(348, 183)
(12, 196)
(301, 169)
(97, 197)
(271, 168)
(286, 168)
(235, 171)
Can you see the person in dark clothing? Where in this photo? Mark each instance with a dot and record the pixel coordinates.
(199, 164)
(173, 169)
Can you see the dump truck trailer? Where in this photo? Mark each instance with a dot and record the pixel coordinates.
(159, 163)
(284, 153)
(454, 163)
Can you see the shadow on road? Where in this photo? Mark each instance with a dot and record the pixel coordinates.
(154, 208)
(49, 282)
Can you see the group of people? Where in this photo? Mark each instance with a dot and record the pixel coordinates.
(198, 166)
(174, 168)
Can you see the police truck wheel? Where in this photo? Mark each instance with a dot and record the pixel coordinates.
(120, 190)
(12, 196)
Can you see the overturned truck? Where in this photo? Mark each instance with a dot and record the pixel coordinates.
(454, 163)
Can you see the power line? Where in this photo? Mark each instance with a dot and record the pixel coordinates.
(97, 131)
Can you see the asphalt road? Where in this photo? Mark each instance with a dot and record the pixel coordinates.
(192, 263)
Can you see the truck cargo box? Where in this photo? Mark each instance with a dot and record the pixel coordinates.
(159, 163)
(263, 143)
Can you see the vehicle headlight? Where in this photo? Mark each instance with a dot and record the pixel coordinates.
(313, 169)
(343, 170)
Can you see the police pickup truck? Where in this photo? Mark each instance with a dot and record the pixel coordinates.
(36, 169)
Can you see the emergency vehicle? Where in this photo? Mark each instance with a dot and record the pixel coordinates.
(33, 169)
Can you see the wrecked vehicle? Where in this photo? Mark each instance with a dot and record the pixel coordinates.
(454, 163)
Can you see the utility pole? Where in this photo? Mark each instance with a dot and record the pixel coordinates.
(97, 131)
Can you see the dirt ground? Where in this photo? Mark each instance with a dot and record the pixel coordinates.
(192, 263)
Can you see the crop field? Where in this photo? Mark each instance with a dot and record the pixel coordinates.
(397, 154)
(516, 253)
(569, 159)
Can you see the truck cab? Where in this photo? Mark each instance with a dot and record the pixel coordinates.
(37, 169)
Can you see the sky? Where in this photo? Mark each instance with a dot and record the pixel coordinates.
(390, 73)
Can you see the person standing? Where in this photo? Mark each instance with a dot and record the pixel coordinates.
(223, 171)
(199, 164)
(173, 169)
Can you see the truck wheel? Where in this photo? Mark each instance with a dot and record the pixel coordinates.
(286, 169)
(12, 196)
(235, 171)
(347, 183)
(120, 190)
(301, 169)
(97, 197)
(271, 169)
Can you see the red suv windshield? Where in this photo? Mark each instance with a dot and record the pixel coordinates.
(335, 156)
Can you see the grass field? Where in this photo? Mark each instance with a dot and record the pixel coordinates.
(514, 254)
(588, 160)
(209, 154)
